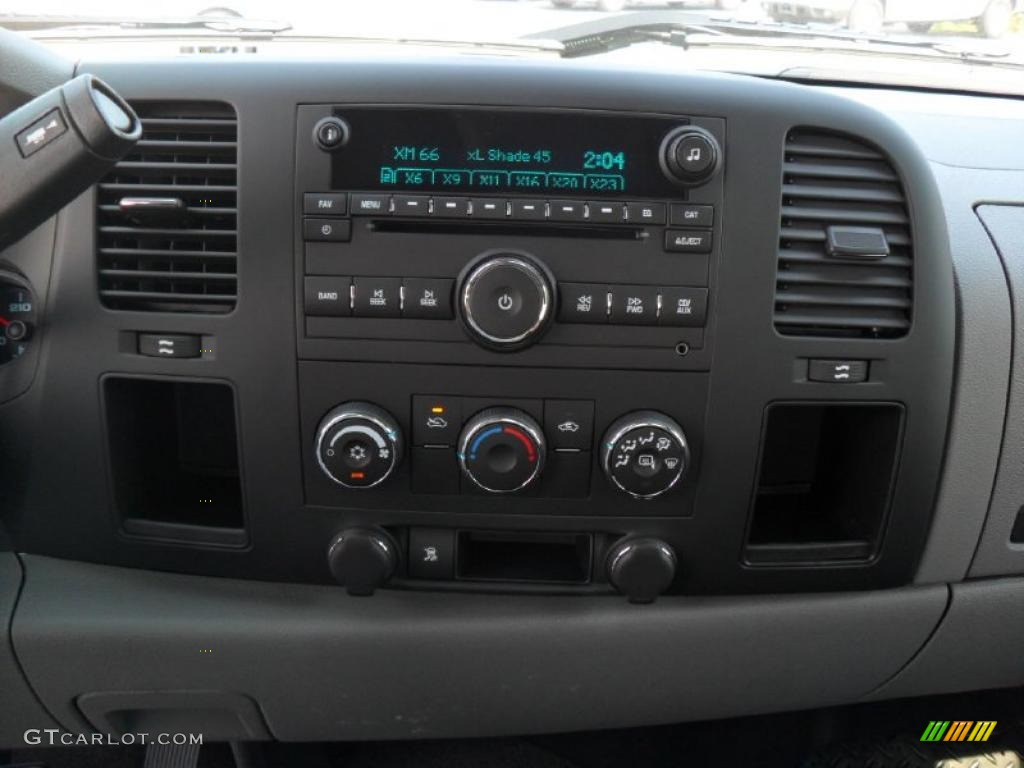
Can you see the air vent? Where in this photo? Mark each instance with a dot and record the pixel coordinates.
(167, 214)
(845, 251)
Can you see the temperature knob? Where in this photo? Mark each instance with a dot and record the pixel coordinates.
(358, 445)
(645, 454)
(502, 450)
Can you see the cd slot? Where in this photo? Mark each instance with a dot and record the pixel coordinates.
(521, 228)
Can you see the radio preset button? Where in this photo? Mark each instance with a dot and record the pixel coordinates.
(529, 210)
(645, 213)
(612, 213)
(489, 208)
(370, 205)
(327, 296)
(688, 240)
(427, 298)
(583, 303)
(634, 305)
(568, 210)
(685, 307)
(326, 230)
(690, 215)
(411, 205)
(455, 207)
(376, 296)
(325, 203)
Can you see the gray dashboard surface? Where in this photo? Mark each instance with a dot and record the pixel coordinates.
(323, 665)
(976, 155)
(996, 553)
(19, 708)
(977, 646)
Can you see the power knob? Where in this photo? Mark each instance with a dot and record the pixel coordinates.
(690, 155)
(506, 300)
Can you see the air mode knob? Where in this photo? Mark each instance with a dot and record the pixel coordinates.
(690, 155)
(506, 300)
(358, 445)
(641, 568)
(645, 454)
(501, 450)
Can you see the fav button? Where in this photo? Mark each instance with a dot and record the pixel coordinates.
(325, 203)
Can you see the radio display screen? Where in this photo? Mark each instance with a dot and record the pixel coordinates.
(462, 151)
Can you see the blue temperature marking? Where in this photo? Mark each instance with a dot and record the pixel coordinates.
(479, 439)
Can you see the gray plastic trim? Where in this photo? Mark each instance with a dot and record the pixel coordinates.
(324, 665)
(996, 555)
(19, 708)
(977, 646)
(983, 334)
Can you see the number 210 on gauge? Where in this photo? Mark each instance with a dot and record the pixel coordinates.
(604, 160)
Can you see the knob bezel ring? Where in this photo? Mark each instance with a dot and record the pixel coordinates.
(645, 422)
(536, 273)
(394, 436)
(480, 421)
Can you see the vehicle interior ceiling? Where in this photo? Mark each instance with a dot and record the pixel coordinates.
(552, 401)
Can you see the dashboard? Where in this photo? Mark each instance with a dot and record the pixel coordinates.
(399, 368)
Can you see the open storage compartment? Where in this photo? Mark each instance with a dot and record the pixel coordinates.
(174, 459)
(553, 558)
(825, 482)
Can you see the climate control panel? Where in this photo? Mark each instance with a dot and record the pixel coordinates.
(501, 449)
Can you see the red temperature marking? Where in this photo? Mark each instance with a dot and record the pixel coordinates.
(531, 452)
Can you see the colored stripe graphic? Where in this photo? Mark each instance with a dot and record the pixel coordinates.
(959, 730)
(983, 730)
(935, 731)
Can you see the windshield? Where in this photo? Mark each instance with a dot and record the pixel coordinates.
(968, 45)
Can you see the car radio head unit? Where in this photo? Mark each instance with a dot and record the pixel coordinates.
(505, 151)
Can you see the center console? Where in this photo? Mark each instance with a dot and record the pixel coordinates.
(507, 332)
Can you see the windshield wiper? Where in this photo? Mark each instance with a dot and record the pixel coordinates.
(690, 30)
(227, 24)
